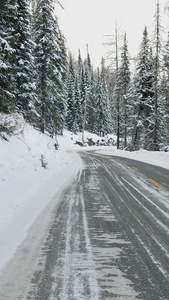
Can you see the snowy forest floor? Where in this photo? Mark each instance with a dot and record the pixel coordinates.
(27, 187)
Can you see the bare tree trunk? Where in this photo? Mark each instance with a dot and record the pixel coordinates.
(125, 119)
(116, 38)
(155, 114)
(118, 99)
(118, 122)
(157, 63)
(84, 116)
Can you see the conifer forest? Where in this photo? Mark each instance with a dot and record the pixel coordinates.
(41, 80)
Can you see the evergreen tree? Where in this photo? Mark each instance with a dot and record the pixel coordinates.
(49, 58)
(24, 61)
(33, 5)
(107, 110)
(103, 119)
(80, 79)
(165, 94)
(92, 109)
(143, 96)
(77, 126)
(12, 39)
(7, 96)
(122, 89)
(71, 94)
(61, 63)
(88, 88)
(79, 66)
(17, 85)
(157, 71)
(164, 112)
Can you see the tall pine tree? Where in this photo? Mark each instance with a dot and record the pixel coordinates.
(71, 95)
(24, 61)
(122, 86)
(7, 103)
(103, 118)
(50, 66)
(157, 71)
(17, 80)
(143, 96)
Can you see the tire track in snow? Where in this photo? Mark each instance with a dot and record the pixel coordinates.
(77, 266)
(92, 276)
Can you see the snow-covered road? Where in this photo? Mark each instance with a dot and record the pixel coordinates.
(106, 236)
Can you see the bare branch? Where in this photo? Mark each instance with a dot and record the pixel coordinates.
(59, 4)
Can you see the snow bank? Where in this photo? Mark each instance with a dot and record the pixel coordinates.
(156, 158)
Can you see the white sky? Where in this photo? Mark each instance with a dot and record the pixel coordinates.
(88, 21)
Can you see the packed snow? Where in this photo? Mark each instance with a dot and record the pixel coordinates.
(32, 171)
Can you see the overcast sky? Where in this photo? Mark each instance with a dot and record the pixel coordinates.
(89, 21)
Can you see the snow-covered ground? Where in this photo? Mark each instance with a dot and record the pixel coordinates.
(26, 187)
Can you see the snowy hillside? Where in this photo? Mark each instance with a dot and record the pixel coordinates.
(27, 187)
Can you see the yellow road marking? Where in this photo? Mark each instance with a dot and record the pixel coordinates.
(156, 183)
(134, 168)
(124, 161)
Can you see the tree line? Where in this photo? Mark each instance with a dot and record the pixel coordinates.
(32, 63)
(140, 100)
(53, 91)
(40, 80)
